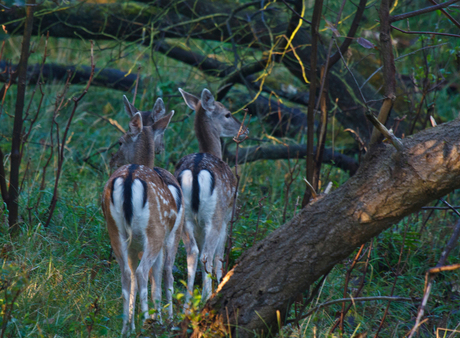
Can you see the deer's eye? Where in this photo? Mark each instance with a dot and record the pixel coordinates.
(228, 115)
(120, 143)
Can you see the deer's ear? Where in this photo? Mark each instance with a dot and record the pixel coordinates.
(160, 126)
(190, 100)
(158, 110)
(135, 125)
(207, 100)
(129, 108)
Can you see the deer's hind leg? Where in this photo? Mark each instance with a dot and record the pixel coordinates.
(192, 251)
(156, 274)
(211, 242)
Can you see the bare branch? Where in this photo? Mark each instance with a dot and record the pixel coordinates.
(399, 17)
(443, 11)
(61, 148)
(351, 33)
(310, 165)
(389, 71)
(431, 33)
(383, 130)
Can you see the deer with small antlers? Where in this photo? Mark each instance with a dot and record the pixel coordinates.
(208, 187)
(143, 216)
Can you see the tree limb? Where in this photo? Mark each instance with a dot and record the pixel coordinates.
(443, 11)
(389, 69)
(399, 17)
(294, 151)
(351, 33)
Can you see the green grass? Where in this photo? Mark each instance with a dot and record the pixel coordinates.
(71, 285)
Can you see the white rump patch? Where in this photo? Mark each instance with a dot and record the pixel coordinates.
(141, 213)
(207, 200)
(186, 184)
(116, 208)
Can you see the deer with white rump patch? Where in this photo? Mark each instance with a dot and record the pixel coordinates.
(149, 117)
(208, 186)
(143, 216)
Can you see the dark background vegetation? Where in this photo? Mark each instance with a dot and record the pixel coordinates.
(58, 277)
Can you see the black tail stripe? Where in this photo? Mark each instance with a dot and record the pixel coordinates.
(195, 184)
(179, 198)
(113, 186)
(179, 179)
(212, 181)
(145, 192)
(128, 194)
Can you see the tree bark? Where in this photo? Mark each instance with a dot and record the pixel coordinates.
(388, 186)
(16, 142)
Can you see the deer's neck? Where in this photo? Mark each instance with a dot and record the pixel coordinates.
(144, 153)
(207, 134)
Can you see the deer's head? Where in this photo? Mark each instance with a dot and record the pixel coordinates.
(137, 146)
(218, 118)
(149, 117)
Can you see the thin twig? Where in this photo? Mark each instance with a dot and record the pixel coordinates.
(38, 84)
(354, 78)
(345, 287)
(76, 100)
(351, 33)
(399, 58)
(396, 142)
(419, 32)
(444, 268)
(361, 286)
(449, 206)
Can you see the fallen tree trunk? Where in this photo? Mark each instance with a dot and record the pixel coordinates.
(388, 186)
(293, 151)
(292, 120)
